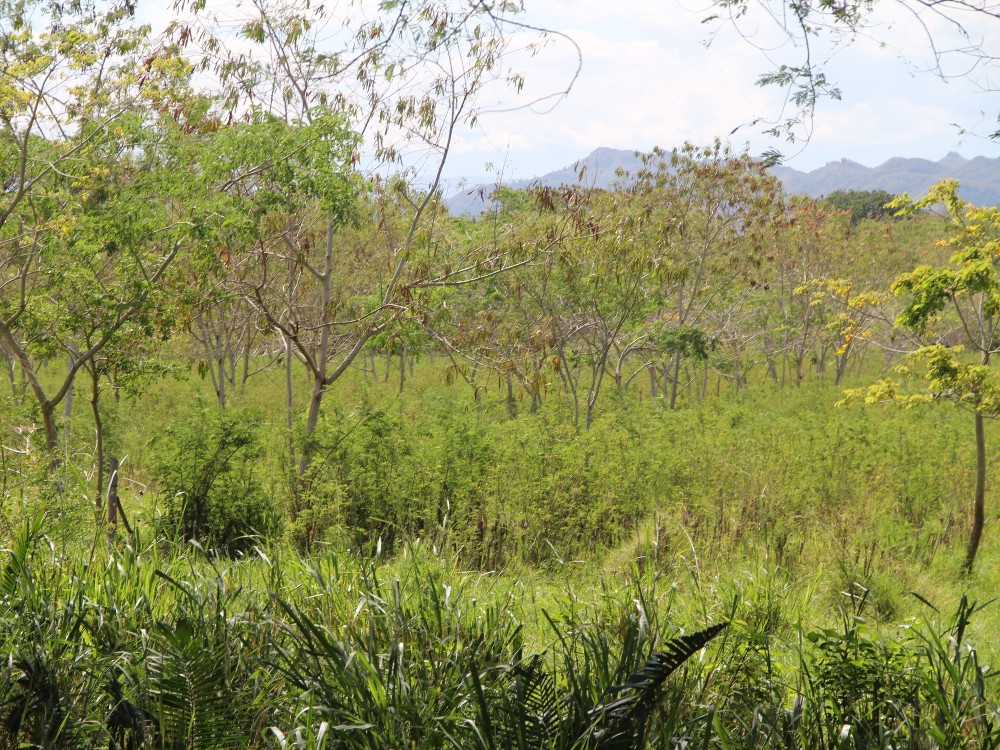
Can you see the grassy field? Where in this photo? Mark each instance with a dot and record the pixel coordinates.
(450, 544)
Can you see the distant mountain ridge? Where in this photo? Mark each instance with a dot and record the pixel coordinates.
(979, 177)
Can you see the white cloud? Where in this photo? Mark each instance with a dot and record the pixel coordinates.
(648, 80)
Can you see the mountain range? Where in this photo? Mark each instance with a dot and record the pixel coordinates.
(979, 178)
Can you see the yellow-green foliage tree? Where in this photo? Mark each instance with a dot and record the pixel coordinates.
(955, 309)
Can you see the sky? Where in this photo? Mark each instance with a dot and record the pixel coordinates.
(645, 73)
(649, 78)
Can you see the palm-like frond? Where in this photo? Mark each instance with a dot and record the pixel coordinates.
(190, 690)
(530, 708)
(13, 570)
(621, 723)
(37, 715)
(127, 722)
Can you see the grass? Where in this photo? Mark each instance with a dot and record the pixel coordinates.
(467, 554)
(416, 651)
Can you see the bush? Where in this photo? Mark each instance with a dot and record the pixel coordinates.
(208, 471)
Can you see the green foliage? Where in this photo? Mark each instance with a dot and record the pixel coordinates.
(190, 688)
(861, 204)
(959, 302)
(207, 474)
(493, 491)
(156, 646)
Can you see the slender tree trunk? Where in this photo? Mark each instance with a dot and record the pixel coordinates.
(112, 498)
(246, 359)
(95, 392)
(220, 390)
(979, 507)
(11, 375)
(653, 381)
(511, 405)
(68, 401)
(570, 383)
(402, 368)
(290, 383)
(312, 419)
(595, 388)
(772, 369)
(842, 362)
(674, 380)
(51, 431)
(68, 409)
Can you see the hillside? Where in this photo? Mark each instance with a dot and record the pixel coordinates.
(980, 177)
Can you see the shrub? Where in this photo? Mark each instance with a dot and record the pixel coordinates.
(209, 473)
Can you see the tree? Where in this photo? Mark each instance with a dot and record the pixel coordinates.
(88, 230)
(715, 214)
(862, 204)
(957, 307)
(343, 138)
(959, 38)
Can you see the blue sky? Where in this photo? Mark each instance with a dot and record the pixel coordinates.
(648, 79)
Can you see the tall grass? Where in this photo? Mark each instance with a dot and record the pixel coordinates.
(465, 580)
(163, 646)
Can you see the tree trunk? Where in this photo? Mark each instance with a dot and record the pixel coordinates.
(220, 391)
(246, 360)
(95, 392)
(597, 379)
(290, 383)
(11, 375)
(772, 369)
(979, 507)
(67, 410)
(68, 401)
(842, 362)
(402, 368)
(674, 380)
(312, 419)
(51, 431)
(112, 498)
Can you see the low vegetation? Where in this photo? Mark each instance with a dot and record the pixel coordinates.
(479, 582)
(291, 458)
